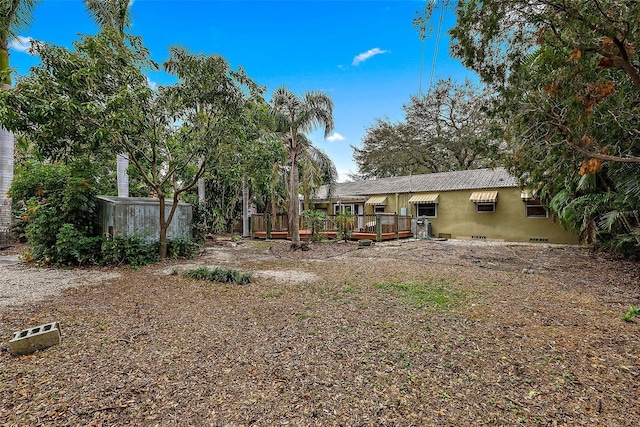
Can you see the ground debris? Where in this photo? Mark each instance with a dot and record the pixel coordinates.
(340, 336)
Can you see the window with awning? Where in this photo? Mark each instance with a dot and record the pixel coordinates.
(424, 198)
(484, 197)
(527, 195)
(377, 200)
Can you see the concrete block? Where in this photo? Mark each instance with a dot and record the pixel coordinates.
(34, 339)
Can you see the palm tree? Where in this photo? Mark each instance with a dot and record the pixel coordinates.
(295, 116)
(114, 14)
(15, 15)
(316, 169)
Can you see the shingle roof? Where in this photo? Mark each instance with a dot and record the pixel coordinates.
(445, 181)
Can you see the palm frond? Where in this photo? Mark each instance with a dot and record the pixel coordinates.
(15, 17)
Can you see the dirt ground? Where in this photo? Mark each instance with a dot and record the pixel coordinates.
(409, 333)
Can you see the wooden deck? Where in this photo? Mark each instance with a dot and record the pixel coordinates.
(355, 235)
(358, 235)
(304, 234)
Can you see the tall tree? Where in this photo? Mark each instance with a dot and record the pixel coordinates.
(114, 14)
(446, 129)
(568, 79)
(15, 15)
(299, 115)
(68, 106)
(317, 169)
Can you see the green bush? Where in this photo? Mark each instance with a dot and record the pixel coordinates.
(74, 248)
(219, 274)
(56, 202)
(182, 247)
(129, 250)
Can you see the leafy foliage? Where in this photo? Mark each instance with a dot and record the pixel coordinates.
(183, 247)
(567, 80)
(447, 129)
(314, 220)
(219, 274)
(345, 221)
(631, 314)
(96, 98)
(57, 209)
(134, 251)
(294, 117)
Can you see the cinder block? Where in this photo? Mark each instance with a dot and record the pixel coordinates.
(34, 339)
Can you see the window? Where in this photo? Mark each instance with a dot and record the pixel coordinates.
(337, 209)
(378, 209)
(427, 209)
(485, 207)
(535, 209)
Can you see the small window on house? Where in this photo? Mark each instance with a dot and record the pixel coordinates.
(485, 207)
(378, 209)
(427, 209)
(337, 209)
(535, 209)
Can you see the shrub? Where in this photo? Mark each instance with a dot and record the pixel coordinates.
(56, 202)
(219, 274)
(74, 248)
(182, 247)
(129, 250)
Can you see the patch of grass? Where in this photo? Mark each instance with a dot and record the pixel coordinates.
(219, 274)
(631, 314)
(273, 294)
(303, 316)
(349, 289)
(419, 295)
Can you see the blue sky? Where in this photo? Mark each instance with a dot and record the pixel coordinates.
(365, 54)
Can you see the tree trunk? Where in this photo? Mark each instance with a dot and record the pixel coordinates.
(164, 225)
(294, 203)
(122, 176)
(245, 207)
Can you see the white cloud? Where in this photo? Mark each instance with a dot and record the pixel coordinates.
(343, 175)
(21, 44)
(153, 85)
(335, 137)
(368, 54)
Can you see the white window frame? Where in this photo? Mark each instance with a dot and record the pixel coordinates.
(478, 204)
(342, 207)
(378, 208)
(435, 210)
(534, 203)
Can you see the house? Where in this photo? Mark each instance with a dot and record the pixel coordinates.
(480, 204)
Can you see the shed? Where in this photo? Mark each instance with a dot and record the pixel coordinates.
(128, 216)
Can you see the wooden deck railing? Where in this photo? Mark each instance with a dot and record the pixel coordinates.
(381, 226)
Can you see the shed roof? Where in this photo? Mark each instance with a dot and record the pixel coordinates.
(475, 179)
(117, 200)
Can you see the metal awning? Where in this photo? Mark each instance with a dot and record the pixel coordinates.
(424, 198)
(377, 200)
(527, 195)
(484, 197)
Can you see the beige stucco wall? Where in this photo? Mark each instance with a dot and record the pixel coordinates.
(457, 217)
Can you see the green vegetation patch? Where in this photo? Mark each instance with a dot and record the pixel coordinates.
(219, 274)
(438, 295)
(631, 314)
